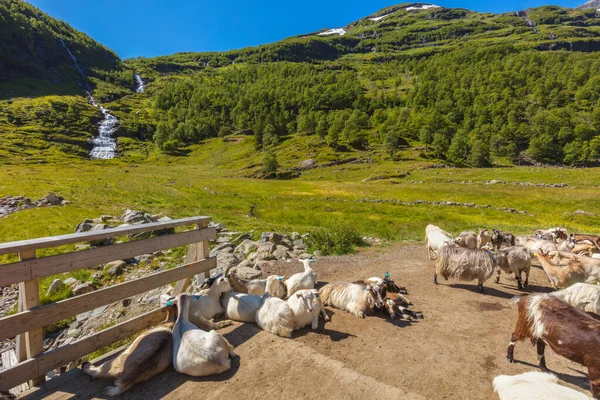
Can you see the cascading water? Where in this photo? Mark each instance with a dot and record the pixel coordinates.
(104, 145)
(139, 83)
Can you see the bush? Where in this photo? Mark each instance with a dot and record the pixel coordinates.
(336, 240)
(270, 163)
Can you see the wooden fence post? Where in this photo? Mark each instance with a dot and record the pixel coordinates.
(29, 297)
(198, 251)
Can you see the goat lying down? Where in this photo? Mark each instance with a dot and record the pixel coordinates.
(243, 307)
(534, 385)
(357, 299)
(254, 286)
(150, 354)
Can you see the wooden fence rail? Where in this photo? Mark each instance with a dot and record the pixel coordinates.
(32, 317)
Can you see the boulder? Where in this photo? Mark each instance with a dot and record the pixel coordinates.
(74, 333)
(265, 251)
(115, 268)
(71, 281)
(247, 273)
(226, 260)
(53, 199)
(261, 264)
(305, 256)
(136, 217)
(85, 226)
(246, 264)
(281, 253)
(101, 242)
(56, 285)
(252, 256)
(275, 238)
(246, 247)
(165, 231)
(83, 288)
(287, 243)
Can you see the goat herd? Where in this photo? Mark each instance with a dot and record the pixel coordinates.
(189, 340)
(567, 320)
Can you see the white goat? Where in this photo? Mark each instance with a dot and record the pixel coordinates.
(274, 315)
(355, 298)
(534, 385)
(467, 239)
(515, 259)
(581, 295)
(590, 265)
(436, 239)
(301, 281)
(197, 352)
(306, 306)
(243, 307)
(207, 304)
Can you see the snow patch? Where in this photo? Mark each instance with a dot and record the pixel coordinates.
(423, 7)
(337, 31)
(379, 18)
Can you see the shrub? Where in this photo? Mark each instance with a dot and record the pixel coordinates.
(335, 240)
(270, 163)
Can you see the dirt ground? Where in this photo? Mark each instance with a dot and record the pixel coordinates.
(454, 353)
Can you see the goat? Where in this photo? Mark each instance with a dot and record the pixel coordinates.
(197, 352)
(561, 276)
(303, 280)
(499, 238)
(207, 304)
(356, 299)
(275, 315)
(387, 283)
(584, 296)
(150, 354)
(534, 385)
(584, 249)
(465, 265)
(515, 259)
(243, 307)
(254, 286)
(570, 332)
(552, 233)
(590, 265)
(436, 239)
(595, 239)
(306, 306)
(466, 239)
(483, 238)
(397, 304)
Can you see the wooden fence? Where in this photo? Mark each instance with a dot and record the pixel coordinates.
(27, 324)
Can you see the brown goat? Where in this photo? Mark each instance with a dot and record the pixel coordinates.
(150, 354)
(395, 304)
(571, 333)
(592, 238)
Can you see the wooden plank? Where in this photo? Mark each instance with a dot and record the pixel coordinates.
(48, 314)
(34, 337)
(9, 359)
(53, 241)
(80, 348)
(197, 251)
(14, 376)
(46, 266)
(21, 344)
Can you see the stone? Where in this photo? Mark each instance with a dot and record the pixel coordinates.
(246, 264)
(53, 199)
(83, 288)
(136, 217)
(265, 251)
(307, 163)
(295, 236)
(165, 231)
(246, 247)
(275, 238)
(101, 242)
(252, 256)
(56, 285)
(85, 226)
(247, 273)
(75, 324)
(74, 333)
(281, 253)
(261, 264)
(298, 243)
(71, 281)
(287, 243)
(264, 237)
(305, 256)
(226, 260)
(115, 268)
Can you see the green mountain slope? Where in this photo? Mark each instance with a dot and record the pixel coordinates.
(465, 87)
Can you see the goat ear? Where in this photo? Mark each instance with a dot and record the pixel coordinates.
(298, 294)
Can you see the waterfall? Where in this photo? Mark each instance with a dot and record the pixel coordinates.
(139, 82)
(104, 145)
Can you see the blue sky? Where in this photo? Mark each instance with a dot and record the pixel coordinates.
(158, 27)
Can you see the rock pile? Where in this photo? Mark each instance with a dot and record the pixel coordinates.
(12, 204)
(247, 257)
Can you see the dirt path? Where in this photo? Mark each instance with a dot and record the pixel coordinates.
(454, 353)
